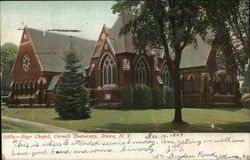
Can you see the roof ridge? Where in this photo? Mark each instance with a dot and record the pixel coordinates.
(60, 34)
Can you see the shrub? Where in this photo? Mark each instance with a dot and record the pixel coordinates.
(48, 104)
(169, 95)
(158, 98)
(142, 98)
(126, 95)
(31, 101)
(245, 100)
(16, 101)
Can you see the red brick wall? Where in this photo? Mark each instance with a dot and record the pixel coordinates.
(31, 75)
(35, 70)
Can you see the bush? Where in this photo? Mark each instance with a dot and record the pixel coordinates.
(16, 101)
(169, 95)
(31, 101)
(126, 95)
(245, 100)
(158, 98)
(142, 98)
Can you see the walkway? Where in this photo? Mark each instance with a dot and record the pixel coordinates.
(49, 128)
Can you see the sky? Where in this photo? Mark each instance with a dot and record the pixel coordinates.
(87, 16)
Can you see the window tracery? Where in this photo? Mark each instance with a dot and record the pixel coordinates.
(165, 75)
(108, 70)
(26, 63)
(141, 72)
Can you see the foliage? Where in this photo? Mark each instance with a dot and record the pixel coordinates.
(232, 18)
(142, 98)
(71, 97)
(245, 100)
(158, 98)
(245, 87)
(171, 25)
(126, 95)
(16, 101)
(8, 54)
(221, 72)
(31, 101)
(169, 96)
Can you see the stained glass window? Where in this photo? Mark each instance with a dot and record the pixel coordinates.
(165, 75)
(141, 72)
(108, 70)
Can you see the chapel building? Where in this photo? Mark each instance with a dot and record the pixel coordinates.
(112, 63)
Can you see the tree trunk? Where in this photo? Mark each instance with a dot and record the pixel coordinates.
(177, 91)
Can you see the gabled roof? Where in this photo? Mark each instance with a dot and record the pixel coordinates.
(98, 50)
(195, 57)
(100, 41)
(122, 43)
(53, 82)
(191, 57)
(51, 47)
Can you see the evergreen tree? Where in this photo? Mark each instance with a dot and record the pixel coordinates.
(71, 97)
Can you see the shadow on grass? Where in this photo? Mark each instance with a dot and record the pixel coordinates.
(174, 127)
(119, 108)
(229, 109)
(60, 119)
(222, 108)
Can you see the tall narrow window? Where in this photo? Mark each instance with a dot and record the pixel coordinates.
(108, 70)
(165, 75)
(191, 84)
(141, 72)
(16, 88)
(26, 90)
(216, 85)
(228, 85)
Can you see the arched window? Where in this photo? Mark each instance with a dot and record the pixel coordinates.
(35, 86)
(26, 90)
(108, 70)
(165, 75)
(191, 83)
(16, 85)
(21, 88)
(16, 88)
(141, 72)
(30, 87)
(216, 82)
(228, 85)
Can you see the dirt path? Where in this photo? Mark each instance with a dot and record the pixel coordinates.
(49, 128)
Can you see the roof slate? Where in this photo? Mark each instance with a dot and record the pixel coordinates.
(51, 47)
(53, 82)
(195, 57)
(122, 43)
(191, 57)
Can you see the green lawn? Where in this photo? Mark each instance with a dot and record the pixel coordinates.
(104, 120)
(9, 127)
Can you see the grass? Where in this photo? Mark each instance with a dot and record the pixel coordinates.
(9, 127)
(103, 120)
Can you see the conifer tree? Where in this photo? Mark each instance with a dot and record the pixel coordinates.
(71, 96)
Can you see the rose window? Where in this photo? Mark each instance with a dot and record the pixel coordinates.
(26, 63)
